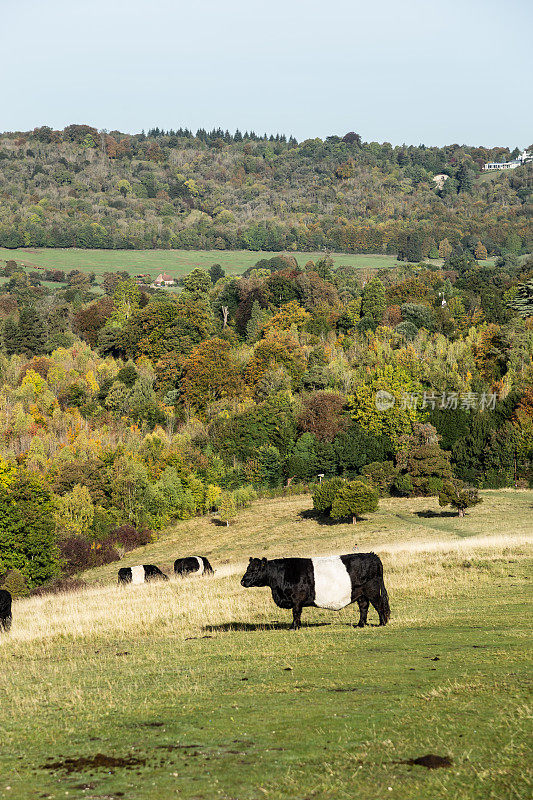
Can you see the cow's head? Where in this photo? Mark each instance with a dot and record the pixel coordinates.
(256, 574)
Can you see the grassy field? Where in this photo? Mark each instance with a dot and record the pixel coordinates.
(195, 688)
(175, 262)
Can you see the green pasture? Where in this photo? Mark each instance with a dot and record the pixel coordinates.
(196, 688)
(176, 262)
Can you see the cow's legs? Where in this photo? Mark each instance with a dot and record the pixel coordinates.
(373, 592)
(362, 602)
(5, 623)
(296, 618)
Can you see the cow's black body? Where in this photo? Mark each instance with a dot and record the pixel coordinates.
(292, 582)
(190, 564)
(5, 610)
(151, 572)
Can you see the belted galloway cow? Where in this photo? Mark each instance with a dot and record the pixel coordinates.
(190, 564)
(140, 574)
(327, 582)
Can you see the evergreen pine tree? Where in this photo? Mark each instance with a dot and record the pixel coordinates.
(11, 337)
(216, 272)
(31, 336)
(464, 178)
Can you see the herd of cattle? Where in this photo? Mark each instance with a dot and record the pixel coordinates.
(331, 582)
(149, 572)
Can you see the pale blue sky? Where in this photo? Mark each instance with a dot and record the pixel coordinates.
(431, 71)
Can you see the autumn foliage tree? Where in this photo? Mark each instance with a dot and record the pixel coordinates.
(90, 319)
(323, 415)
(209, 374)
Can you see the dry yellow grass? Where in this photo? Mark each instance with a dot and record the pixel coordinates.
(279, 527)
(186, 607)
(418, 558)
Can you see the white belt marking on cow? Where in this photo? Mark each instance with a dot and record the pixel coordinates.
(200, 565)
(333, 585)
(137, 574)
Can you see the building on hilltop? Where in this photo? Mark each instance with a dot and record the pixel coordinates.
(162, 280)
(523, 158)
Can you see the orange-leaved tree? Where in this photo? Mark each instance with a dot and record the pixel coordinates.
(209, 374)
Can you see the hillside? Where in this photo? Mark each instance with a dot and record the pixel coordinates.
(284, 526)
(165, 690)
(215, 191)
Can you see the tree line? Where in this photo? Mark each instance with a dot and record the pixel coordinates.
(85, 188)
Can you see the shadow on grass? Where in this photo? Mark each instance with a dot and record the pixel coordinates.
(436, 514)
(228, 627)
(322, 519)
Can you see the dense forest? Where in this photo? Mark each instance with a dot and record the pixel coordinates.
(123, 408)
(214, 190)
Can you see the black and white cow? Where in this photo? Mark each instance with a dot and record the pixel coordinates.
(199, 564)
(328, 582)
(5, 610)
(140, 574)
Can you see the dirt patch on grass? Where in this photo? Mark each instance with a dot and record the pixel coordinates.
(91, 763)
(431, 761)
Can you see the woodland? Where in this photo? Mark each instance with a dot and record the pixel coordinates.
(85, 188)
(124, 408)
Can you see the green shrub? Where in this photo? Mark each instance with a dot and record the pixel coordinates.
(403, 485)
(324, 494)
(382, 475)
(459, 495)
(244, 496)
(15, 584)
(434, 486)
(354, 499)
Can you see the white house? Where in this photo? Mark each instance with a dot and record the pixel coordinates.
(523, 158)
(162, 280)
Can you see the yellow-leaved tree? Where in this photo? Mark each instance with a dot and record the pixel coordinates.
(74, 511)
(386, 403)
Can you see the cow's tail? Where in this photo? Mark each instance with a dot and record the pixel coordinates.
(384, 603)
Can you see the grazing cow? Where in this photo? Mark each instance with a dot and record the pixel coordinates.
(140, 574)
(199, 564)
(5, 610)
(331, 582)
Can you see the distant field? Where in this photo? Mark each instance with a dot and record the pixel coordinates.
(175, 262)
(196, 689)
